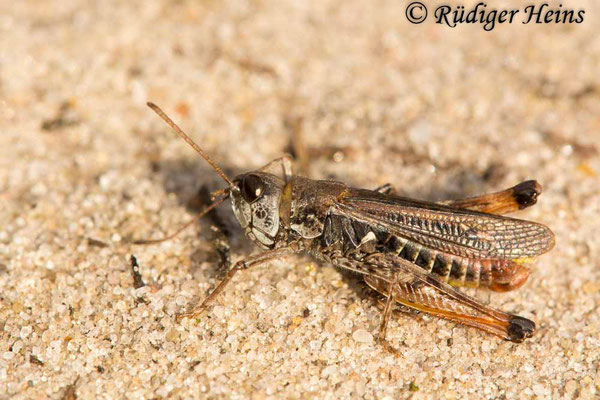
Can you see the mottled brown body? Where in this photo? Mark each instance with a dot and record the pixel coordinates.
(462, 247)
(412, 252)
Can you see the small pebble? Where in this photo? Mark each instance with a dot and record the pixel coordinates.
(25, 331)
(362, 336)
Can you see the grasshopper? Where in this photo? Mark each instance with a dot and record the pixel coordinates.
(413, 253)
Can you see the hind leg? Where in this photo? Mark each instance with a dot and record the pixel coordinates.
(516, 198)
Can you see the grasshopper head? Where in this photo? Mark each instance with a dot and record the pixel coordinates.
(255, 198)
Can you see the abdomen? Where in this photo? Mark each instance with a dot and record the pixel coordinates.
(344, 236)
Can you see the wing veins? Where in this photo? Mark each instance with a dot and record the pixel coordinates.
(492, 236)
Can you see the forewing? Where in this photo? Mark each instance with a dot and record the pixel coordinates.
(421, 291)
(459, 232)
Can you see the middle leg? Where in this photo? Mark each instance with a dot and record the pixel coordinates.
(387, 312)
(284, 162)
(387, 188)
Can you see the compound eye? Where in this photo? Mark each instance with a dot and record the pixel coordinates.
(252, 188)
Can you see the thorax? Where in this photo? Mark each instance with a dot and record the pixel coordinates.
(305, 204)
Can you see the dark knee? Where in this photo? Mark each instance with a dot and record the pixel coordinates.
(240, 265)
(526, 193)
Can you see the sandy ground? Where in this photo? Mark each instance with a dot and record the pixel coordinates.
(439, 112)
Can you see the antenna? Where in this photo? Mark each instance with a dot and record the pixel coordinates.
(185, 137)
(187, 225)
